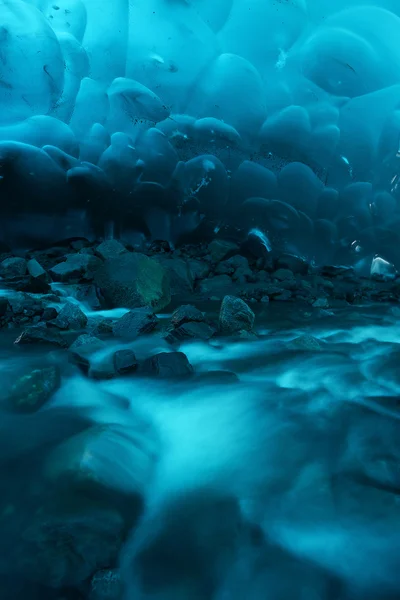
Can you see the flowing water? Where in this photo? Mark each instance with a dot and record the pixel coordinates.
(305, 443)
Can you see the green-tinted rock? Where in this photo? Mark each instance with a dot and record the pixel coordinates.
(133, 280)
(32, 390)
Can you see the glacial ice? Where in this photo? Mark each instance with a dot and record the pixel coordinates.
(296, 104)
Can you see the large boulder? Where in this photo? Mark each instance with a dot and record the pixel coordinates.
(133, 281)
(75, 267)
(235, 315)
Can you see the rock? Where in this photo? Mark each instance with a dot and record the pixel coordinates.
(265, 299)
(77, 266)
(133, 280)
(79, 244)
(110, 249)
(168, 365)
(199, 269)
(186, 314)
(66, 548)
(86, 293)
(86, 339)
(106, 585)
(235, 315)
(215, 284)
(70, 317)
(137, 321)
(122, 458)
(36, 271)
(159, 246)
(220, 249)
(306, 342)
(83, 351)
(32, 390)
(40, 335)
(190, 331)
(49, 313)
(283, 295)
(180, 276)
(125, 362)
(283, 275)
(321, 303)
(13, 267)
(101, 326)
(102, 368)
(293, 263)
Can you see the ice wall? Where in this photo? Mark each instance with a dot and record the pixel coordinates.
(207, 115)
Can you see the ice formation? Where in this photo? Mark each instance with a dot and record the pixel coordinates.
(276, 115)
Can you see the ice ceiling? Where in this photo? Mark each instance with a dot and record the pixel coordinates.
(177, 117)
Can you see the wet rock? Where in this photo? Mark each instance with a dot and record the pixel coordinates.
(110, 249)
(160, 247)
(220, 249)
(293, 263)
(212, 286)
(125, 362)
(40, 335)
(235, 315)
(199, 269)
(180, 276)
(67, 547)
(167, 365)
(86, 339)
(190, 331)
(133, 280)
(37, 272)
(307, 343)
(49, 313)
(265, 299)
(86, 293)
(106, 585)
(33, 389)
(137, 321)
(13, 267)
(283, 275)
(186, 314)
(102, 368)
(283, 296)
(70, 317)
(83, 351)
(101, 326)
(321, 303)
(79, 244)
(244, 334)
(76, 266)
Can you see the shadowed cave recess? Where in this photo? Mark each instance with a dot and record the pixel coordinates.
(199, 299)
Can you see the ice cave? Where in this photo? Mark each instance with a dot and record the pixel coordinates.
(199, 299)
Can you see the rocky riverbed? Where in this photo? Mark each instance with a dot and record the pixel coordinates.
(196, 424)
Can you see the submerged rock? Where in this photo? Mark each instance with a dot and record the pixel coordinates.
(32, 390)
(137, 321)
(168, 365)
(133, 280)
(235, 315)
(306, 342)
(65, 548)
